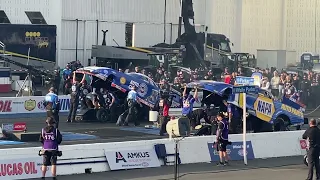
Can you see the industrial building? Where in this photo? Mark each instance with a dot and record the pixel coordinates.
(249, 24)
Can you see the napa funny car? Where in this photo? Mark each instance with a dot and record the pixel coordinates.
(265, 113)
(120, 83)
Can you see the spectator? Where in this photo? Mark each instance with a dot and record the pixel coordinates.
(265, 84)
(275, 80)
(281, 85)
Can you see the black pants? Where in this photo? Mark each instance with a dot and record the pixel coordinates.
(164, 121)
(132, 113)
(313, 161)
(54, 115)
(73, 110)
(113, 113)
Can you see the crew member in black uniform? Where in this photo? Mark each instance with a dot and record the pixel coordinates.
(312, 135)
(84, 90)
(110, 104)
(75, 97)
(50, 138)
(56, 81)
(234, 118)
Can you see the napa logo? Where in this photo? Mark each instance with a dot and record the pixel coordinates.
(264, 108)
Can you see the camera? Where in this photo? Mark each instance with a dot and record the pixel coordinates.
(54, 153)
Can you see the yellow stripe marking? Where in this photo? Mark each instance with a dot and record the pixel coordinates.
(25, 56)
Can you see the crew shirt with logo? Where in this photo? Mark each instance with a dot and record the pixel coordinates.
(187, 105)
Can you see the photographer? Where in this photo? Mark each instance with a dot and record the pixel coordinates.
(312, 135)
(222, 139)
(50, 138)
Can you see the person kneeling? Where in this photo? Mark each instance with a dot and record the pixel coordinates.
(50, 138)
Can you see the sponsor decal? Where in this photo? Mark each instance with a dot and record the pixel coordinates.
(303, 144)
(41, 106)
(264, 108)
(19, 126)
(143, 89)
(30, 104)
(20, 168)
(5, 106)
(105, 71)
(234, 151)
(123, 80)
(292, 110)
(64, 104)
(131, 159)
(7, 127)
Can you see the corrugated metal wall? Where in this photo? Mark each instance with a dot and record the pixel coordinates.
(147, 15)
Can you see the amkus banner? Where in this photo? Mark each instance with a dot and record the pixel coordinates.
(235, 151)
(132, 159)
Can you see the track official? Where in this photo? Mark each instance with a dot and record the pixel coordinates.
(52, 105)
(50, 138)
(312, 135)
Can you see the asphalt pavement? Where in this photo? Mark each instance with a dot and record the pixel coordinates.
(290, 168)
(106, 132)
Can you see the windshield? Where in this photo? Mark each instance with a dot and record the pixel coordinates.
(225, 46)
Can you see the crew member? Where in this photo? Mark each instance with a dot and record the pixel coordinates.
(188, 101)
(132, 107)
(222, 138)
(110, 103)
(234, 117)
(312, 135)
(52, 105)
(75, 96)
(163, 108)
(56, 81)
(50, 138)
(84, 91)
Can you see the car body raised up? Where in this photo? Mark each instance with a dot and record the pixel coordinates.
(147, 90)
(261, 105)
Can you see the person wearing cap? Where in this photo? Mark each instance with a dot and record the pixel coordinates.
(50, 138)
(222, 138)
(312, 135)
(187, 105)
(75, 97)
(52, 105)
(132, 107)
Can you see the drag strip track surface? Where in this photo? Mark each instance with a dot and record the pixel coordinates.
(107, 132)
(290, 168)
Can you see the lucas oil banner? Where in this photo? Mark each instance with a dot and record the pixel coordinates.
(235, 151)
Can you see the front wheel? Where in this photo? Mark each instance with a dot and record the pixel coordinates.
(279, 124)
(103, 115)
